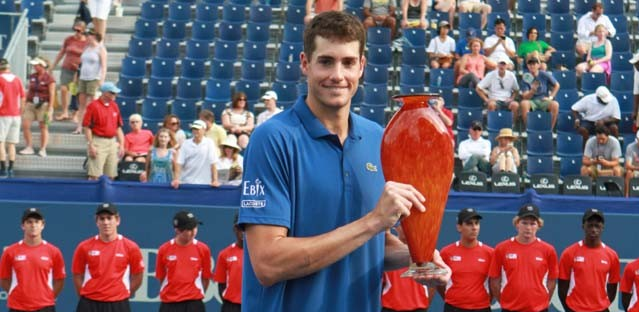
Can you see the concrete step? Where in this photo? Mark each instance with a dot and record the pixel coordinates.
(51, 166)
(63, 23)
(72, 8)
(117, 42)
(60, 143)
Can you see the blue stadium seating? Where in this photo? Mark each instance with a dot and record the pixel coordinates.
(140, 48)
(358, 98)
(355, 11)
(570, 165)
(538, 121)
(152, 11)
(539, 143)
(173, 29)
(193, 68)
(536, 20)
(185, 109)
(241, 2)
(468, 98)
(411, 89)
(302, 88)
(260, 13)
(626, 100)
(528, 6)
(563, 58)
(154, 108)
(563, 41)
(446, 93)
(539, 165)
(582, 7)
(168, 49)
(218, 91)
(286, 91)
(415, 36)
(189, 88)
(290, 51)
(379, 54)
(558, 6)
(197, 49)
(566, 98)
(160, 88)
(566, 122)
(350, 2)
(625, 126)
(203, 30)
(620, 61)
(162, 68)
(225, 50)
(206, 12)
(275, 3)
(465, 116)
(230, 31)
(234, 13)
(7, 6)
(253, 70)
(468, 20)
(127, 105)
(217, 3)
(145, 29)
(415, 56)
(257, 32)
(620, 21)
(569, 144)
(620, 42)
(499, 119)
(133, 67)
(441, 78)
(375, 113)
(590, 82)
(498, 6)
(613, 7)
(288, 71)
(295, 14)
(376, 74)
(567, 79)
(222, 69)
(131, 87)
(378, 35)
(179, 11)
(293, 33)
(412, 75)
(562, 22)
(621, 81)
(254, 51)
(376, 94)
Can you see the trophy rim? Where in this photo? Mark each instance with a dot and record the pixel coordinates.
(401, 96)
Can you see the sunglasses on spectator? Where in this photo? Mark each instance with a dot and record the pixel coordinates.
(477, 128)
(533, 62)
(501, 84)
(77, 30)
(134, 121)
(175, 123)
(241, 99)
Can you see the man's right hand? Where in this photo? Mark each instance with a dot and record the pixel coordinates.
(577, 123)
(396, 202)
(92, 151)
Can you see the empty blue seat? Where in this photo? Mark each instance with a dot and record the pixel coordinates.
(234, 13)
(290, 51)
(563, 41)
(255, 51)
(251, 89)
(241, 2)
(411, 89)
(621, 81)
(582, 7)
(499, 6)
(620, 61)
(185, 109)
(355, 11)
(563, 58)
(416, 37)
(379, 54)
(539, 143)
(415, 56)
(626, 100)
(566, 98)
(528, 6)
(190, 89)
(625, 126)
(140, 48)
(567, 79)
(218, 91)
(358, 98)
(162, 68)
(260, 13)
(7, 6)
(442, 78)
(468, 98)
(590, 82)
(538, 121)
(566, 122)
(193, 68)
(197, 49)
(131, 87)
(613, 7)
(293, 33)
(154, 108)
(206, 12)
(558, 6)
(620, 21)
(467, 20)
(217, 3)
(354, 3)
(376, 74)
(536, 20)
(145, 29)
(152, 11)
(225, 50)
(173, 29)
(167, 48)
(253, 70)
(465, 116)
(376, 94)
(539, 165)
(286, 91)
(133, 67)
(569, 144)
(288, 71)
(179, 11)
(620, 42)
(562, 22)
(127, 105)
(498, 120)
(374, 113)
(152, 124)
(160, 88)
(257, 32)
(230, 31)
(295, 14)
(222, 69)
(570, 165)
(203, 30)
(378, 35)
(412, 75)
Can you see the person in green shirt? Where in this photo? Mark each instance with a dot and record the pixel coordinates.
(533, 44)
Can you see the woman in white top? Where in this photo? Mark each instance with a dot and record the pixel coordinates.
(441, 49)
(230, 161)
(92, 73)
(238, 121)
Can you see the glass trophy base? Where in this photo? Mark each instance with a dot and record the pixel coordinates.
(422, 270)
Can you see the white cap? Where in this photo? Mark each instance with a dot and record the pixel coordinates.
(38, 61)
(198, 124)
(603, 94)
(270, 95)
(503, 59)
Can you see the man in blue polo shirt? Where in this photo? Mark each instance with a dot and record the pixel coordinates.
(315, 206)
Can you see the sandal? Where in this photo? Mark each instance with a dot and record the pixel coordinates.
(76, 131)
(62, 118)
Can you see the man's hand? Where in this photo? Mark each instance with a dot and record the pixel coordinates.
(92, 151)
(577, 123)
(215, 183)
(175, 184)
(396, 202)
(433, 280)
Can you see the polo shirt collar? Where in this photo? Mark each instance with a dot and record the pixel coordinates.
(315, 128)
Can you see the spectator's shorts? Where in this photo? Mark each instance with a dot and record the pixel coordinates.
(473, 7)
(10, 129)
(539, 104)
(66, 76)
(106, 159)
(99, 8)
(88, 87)
(35, 112)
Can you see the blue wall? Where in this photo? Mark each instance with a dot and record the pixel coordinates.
(147, 210)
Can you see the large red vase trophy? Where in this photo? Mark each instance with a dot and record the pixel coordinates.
(417, 150)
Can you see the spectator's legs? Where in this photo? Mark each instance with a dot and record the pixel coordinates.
(64, 102)
(100, 26)
(3, 160)
(472, 163)
(484, 166)
(514, 108)
(434, 64)
(485, 10)
(581, 48)
(629, 175)
(525, 108)
(44, 138)
(491, 105)
(581, 68)
(391, 23)
(369, 22)
(82, 105)
(586, 171)
(616, 171)
(584, 134)
(26, 132)
(553, 108)
(614, 129)
(501, 160)
(243, 141)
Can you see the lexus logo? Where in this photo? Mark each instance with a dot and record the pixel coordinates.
(505, 179)
(578, 182)
(133, 166)
(543, 181)
(472, 178)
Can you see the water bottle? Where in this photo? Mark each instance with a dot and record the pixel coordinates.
(439, 81)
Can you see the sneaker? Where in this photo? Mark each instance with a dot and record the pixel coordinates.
(42, 153)
(3, 174)
(9, 173)
(27, 151)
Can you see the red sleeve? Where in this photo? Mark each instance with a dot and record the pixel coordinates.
(627, 282)
(127, 142)
(206, 263)
(135, 258)
(86, 121)
(79, 262)
(120, 123)
(495, 263)
(58, 265)
(5, 264)
(553, 267)
(220, 268)
(151, 138)
(160, 269)
(50, 79)
(565, 264)
(615, 268)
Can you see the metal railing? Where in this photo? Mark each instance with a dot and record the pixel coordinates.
(16, 51)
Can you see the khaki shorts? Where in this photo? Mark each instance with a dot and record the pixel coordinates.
(106, 158)
(39, 114)
(539, 104)
(10, 129)
(88, 87)
(474, 7)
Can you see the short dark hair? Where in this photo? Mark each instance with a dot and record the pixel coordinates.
(334, 25)
(597, 5)
(500, 21)
(602, 130)
(206, 114)
(530, 29)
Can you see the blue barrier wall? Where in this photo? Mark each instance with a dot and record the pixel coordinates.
(147, 210)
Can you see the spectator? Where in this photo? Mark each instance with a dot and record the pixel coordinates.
(12, 98)
(635, 91)
(270, 105)
(476, 6)
(498, 45)
(505, 157)
(183, 267)
(598, 109)
(228, 272)
(444, 114)
(444, 6)
(474, 152)
(137, 142)
(589, 269)
(92, 73)
(462, 48)
(31, 283)
(601, 155)
(196, 160)
(39, 106)
(230, 165)
(102, 125)
(599, 55)
(523, 271)
(414, 14)
(469, 260)
(441, 49)
(321, 6)
(380, 13)
(238, 120)
(534, 44)
(214, 131)
(632, 162)
(586, 32)
(536, 92)
(71, 51)
(108, 267)
(173, 123)
(472, 66)
(500, 88)
(160, 167)
(99, 13)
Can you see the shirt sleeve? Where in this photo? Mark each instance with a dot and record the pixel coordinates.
(553, 267)
(616, 149)
(160, 268)
(616, 111)
(495, 264)
(432, 46)
(484, 84)
(579, 106)
(58, 265)
(565, 264)
(220, 269)
(615, 269)
(206, 262)
(588, 151)
(628, 279)
(582, 31)
(79, 260)
(135, 258)
(5, 264)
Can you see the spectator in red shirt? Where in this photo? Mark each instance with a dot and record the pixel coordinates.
(228, 272)
(27, 266)
(183, 267)
(469, 259)
(137, 142)
(107, 268)
(102, 126)
(39, 106)
(528, 264)
(589, 269)
(12, 98)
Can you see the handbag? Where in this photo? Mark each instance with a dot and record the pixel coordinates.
(83, 13)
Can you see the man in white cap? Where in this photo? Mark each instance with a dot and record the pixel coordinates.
(499, 88)
(39, 106)
(632, 162)
(635, 90)
(196, 160)
(103, 130)
(598, 109)
(270, 103)
(12, 97)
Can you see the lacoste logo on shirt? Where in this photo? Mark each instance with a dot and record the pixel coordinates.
(21, 258)
(231, 259)
(94, 253)
(511, 256)
(604, 261)
(580, 259)
(370, 167)
(455, 258)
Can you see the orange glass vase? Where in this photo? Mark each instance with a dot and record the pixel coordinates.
(417, 150)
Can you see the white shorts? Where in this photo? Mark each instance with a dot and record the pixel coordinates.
(10, 129)
(99, 8)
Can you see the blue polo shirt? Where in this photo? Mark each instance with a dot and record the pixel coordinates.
(299, 176)
(546, 81)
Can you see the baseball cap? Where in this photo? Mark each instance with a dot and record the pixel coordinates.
(185, 220)
(503, 59)
(529, 210)
(476, 124)
(109, 87)
(109, 208)
(466, 214)
(444, 24)
(592, 212)
(270, 95)
(603, 94)
(32, 213)
(4, 63)
(198, 124)
(634, 59)
(38, 61)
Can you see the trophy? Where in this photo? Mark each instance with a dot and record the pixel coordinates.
(417, 150)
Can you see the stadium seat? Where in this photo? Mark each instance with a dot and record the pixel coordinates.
(465, 116)
(539, 143)
(415, 56)
(217, 3)
(620, 21)
(302, 88)
(288, 71)
(160, 88)
(197, 49)
(253, 70)
(206, 12)
(446, 93)
(625, 126)
(566, 122)
(133, 67)
(379, 54)
(286, 91)
(295, 14)
(355, 11)
(375, 113)
(35, 9)
(173, 29)
(378, 35)
(570, 165)
(154, 108)
(127, 105)
(558, 6)
(499, 119)
(569, 144)
(131, 87)
(620, 61)
(168, 49)
(241, 2)
(499, 6)
(152, 11)
(7, 6)
(218, 91)
(564, 22)
(140, 48)
(203, 30)
(290, 51)
(358, 98)
(626, 100)
(620, 42)
(441, 78)
(376, 94)
(254, 51)
(468, 20)
(528, 6)
(538, 121)
(539, 165)
(230, 31)
(563, 58)
(260, 13)
(193, 68)
(416, 37)
(411, 89)
(375, 74)
(567, 79)
(190, 89)
(536, 20)
(251, 89)
(591, 81)
(162, 68)
(412, 75)
(145, 29)
(582, 7)
(349, 2)
(621, 81)
(222, 69)
(185, 109)
(257, 32)
(179, 11)
(293, 33)
(613, 7)
(566, 98)
(468, 98)
(234, 13)
(563, 41)
(225, 50)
